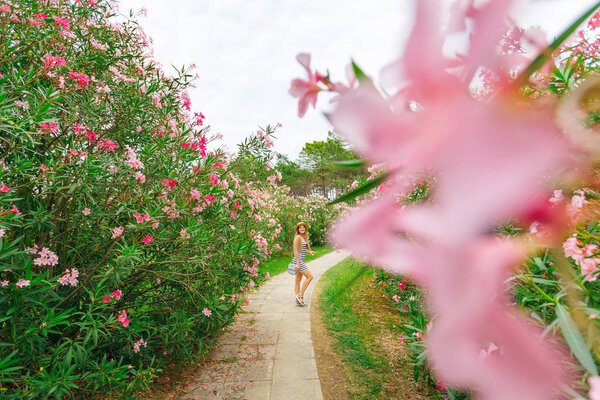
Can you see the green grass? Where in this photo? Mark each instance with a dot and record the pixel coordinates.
(363, 330)
(353, 333)
(279, 264)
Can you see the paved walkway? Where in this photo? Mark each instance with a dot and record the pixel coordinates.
(267, 353)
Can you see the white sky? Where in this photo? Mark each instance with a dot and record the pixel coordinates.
(245, 52)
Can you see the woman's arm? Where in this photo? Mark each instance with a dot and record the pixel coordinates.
(309, 249)
(297, 240)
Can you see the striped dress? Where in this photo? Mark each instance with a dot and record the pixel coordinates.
(301, 256)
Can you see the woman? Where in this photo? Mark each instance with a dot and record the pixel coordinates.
(300, 246)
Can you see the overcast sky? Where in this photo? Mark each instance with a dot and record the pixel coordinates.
(245, 52)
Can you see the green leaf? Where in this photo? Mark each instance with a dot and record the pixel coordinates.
(349, 163)
(575, 340)
(541, 59)
(360, 75)
(361, 189)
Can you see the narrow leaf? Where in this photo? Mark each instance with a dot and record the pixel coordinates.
(541, 59)
(575, 340)
(361, 189)
(349, 163)
(360, 75)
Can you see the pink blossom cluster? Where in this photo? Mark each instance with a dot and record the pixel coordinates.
(115, 295)
(585, 256)
(51, 61)
(21, 283)
(107, 144)
(138, 344)
(123, 319)
(69, 277)
(117, 232)
(132, 159)
(50, 127)
(493, 160)
(45, 257)
(141, 218)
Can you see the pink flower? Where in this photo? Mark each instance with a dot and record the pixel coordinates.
(108, 145)
(112, 169)
(4, 189)
(267, 276)
(147, 239)
(86, 211)
(117, 294)
(169, 183)
(214, 179)
(106, 299)
(117, 232)
(594, 382)
(82, 79)
(140, 177)
(210, 198)
(141, 218)
(307, 90)
(496, 151)
(15, 210)
(2, 233)
(155, 225)
(51, 61)
(69, 277)
(44, 168)
(22, 283)
(123, 319)
(207, 312)
(557, 197)
(138, 344)
(46, 257)
(195, 194)
(62, 22)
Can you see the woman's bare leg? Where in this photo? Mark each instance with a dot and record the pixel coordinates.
(309, 277)
(297, 283)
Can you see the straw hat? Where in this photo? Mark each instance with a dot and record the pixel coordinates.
(300, 224)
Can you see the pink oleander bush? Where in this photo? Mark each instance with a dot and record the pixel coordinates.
(502, 256)
(127, 237)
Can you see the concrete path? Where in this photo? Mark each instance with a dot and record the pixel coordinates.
(267, 353)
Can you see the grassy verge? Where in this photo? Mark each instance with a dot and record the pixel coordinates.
(279, 264)
(364, 334)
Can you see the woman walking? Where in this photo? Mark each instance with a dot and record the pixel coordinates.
(300, 246)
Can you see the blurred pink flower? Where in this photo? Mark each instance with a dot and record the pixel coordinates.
(306, 90)
(492, 160)
(148, 239)
(22, 283)
(594, 382)
(207, 312)
(116, 232)
(123, 319)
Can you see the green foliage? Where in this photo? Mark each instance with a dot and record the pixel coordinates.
(125, 243)
(317, 170)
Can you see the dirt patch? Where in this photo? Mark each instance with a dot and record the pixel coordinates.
(330, 367)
